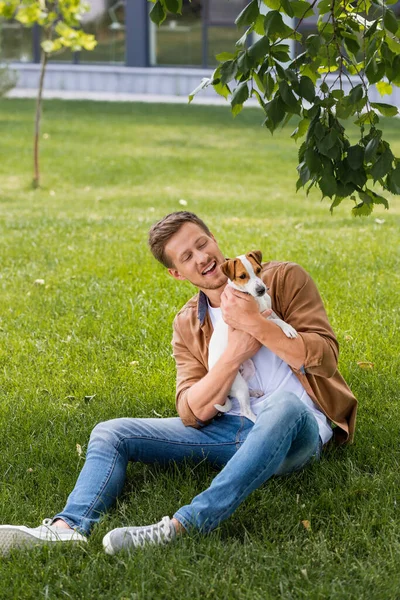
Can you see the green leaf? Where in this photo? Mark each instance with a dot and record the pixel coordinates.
(157, 13)
(393, 180)
(327, 185)
(228, 71)
(356, 93)
(245, 62)
(355, 156)
(313, 44)
(304, 173)
(221, 89)
(324, 7)
(248, 14)
(301, 9)
(273, 4)
(377, 199)
(306, 88)
(224, 56)
(319, 130)
(236, 109)
(352, 45)
(172, 6)
(274, 26)
(313, 161)
(258, 26)
(382, 165)
(270, 85)
(384, 88)
(369, 117)
(393, 44)
(371, 149)
(287, 8)
(390, 21)
(275, 111)
(371, 30)
(301, 129)
(362, 210)
(259, 49)
(240, 94)
(375, 71)
(288, 97)
(387, 110)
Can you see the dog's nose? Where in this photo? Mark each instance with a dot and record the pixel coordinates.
(260, 291)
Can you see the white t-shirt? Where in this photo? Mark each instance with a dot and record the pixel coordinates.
(273, 374)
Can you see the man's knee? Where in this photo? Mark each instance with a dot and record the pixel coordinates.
(111, 432)
(285, 403)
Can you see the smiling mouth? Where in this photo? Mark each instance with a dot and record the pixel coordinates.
(210, 269)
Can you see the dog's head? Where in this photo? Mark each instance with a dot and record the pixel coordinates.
(243, 273)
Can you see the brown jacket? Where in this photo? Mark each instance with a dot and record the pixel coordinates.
(296, 300)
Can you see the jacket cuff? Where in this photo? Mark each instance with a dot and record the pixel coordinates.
(186, 414)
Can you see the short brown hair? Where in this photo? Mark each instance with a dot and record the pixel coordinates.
(162, 231)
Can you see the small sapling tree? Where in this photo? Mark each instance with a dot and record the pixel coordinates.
(59, 21)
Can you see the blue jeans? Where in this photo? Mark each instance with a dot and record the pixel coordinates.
(284, 439)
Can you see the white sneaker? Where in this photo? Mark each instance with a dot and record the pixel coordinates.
(18, 536)
(128, 538)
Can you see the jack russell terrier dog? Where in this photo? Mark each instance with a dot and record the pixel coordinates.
(243, 275)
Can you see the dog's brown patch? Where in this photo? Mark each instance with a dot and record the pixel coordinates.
(235, 271)
(255, 258)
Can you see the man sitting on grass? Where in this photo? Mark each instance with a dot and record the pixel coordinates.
(305, 400)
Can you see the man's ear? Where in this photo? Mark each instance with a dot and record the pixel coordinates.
(257, 255)
(176, 275)
(228, 268)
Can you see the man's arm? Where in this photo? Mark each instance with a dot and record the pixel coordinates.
(315, 349)
(214, 387)
(197, 390)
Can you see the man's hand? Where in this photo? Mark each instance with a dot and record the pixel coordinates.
(240, 310)
(241, 346)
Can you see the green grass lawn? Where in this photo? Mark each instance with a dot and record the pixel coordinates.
(93, 343)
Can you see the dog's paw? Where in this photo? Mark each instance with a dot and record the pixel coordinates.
(289, 331)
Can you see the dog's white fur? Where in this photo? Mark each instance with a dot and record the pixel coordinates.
(219, 339)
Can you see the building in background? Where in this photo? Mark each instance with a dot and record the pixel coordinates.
(133, 56)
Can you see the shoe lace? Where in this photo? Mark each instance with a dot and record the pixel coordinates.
(160, 532)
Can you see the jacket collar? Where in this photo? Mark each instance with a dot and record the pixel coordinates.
(202, 308)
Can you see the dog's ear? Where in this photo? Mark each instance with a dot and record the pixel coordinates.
(257, 255)
(228, 268)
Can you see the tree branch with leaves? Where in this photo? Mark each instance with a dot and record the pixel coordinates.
(359, 41)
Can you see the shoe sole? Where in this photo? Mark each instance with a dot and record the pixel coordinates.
(16, 538)
(11, 537)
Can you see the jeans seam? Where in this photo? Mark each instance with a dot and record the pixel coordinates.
(239, 431)
(277, 450)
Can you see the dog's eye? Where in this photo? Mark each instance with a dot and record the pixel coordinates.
(258, 271)
(242, 276)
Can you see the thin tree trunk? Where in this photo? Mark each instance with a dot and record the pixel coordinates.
(36, 177)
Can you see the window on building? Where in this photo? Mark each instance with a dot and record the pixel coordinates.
(15, 42)
(106, 20)
(205, 28)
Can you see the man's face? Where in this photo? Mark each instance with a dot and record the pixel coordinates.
(196, 257)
